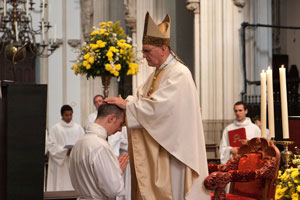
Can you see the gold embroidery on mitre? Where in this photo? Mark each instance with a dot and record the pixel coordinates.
(158, 35)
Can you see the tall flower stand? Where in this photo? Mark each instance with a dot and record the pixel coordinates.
(105, 83)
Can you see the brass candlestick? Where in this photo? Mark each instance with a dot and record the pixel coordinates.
(285, 154)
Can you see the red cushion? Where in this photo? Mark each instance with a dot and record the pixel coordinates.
(255, 188)
(233, 197)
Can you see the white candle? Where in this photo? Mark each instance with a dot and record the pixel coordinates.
(16, 31)
(4, 7)
(270, 103)
(43, 31)
(26, 8)
(263, 107)
(54, 37)
(284, 108)
(49, 11)
(43, 9)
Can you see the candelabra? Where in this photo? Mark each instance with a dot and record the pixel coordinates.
(17, 33)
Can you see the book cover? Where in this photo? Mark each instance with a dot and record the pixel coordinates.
(235, 136)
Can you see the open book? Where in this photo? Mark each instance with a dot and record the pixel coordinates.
(69, 146)
(235, 136)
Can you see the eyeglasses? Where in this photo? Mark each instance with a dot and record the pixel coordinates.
(147, 50)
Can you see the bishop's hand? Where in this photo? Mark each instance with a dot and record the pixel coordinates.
(119, 101)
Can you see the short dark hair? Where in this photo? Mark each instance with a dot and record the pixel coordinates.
(65, 108)
(98, 95)
(106, 109)
(241, 103)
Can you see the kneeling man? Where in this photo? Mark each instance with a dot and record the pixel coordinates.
(94, 170)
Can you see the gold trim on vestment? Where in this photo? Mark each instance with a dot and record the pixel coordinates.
(150, 162)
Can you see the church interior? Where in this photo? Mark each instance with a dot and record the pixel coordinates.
(226, 44)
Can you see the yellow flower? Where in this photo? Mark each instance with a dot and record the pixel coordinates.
(86, 56)
(91, 60)
(295, 173)
(109, 54)
(113, 49)
(116, 73)
(85, 63)
(75, 67)
(102, 24)
(110, 23)
(101, 44)
(112, 71)
(94, 46)
(102, 31)
(130, 72)
(298, 188)
(95, 32)
(108, 67)
(295, 196)
(88, 66)
(118, 67)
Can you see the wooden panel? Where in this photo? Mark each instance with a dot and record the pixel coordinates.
(23, 113)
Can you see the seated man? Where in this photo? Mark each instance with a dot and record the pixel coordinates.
(241, 121)
(94, 169)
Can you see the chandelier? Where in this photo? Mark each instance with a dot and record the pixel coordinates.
(17, 34)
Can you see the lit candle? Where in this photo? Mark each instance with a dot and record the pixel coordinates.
(43, 31)
(270, 103)
(54, 37)
(263, 107)
(4, 7)
(16, 31)
(284, 108)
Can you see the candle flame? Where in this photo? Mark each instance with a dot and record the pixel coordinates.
(282, 66)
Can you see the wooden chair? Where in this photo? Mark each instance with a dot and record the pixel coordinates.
(252, 172)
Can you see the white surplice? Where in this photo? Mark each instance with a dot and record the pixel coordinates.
(94, 169)
(171, 115)
(119, 144)
(252, 131)
(60, 135)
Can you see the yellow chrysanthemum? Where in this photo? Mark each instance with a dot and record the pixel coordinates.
(112, 71)
(116, 73)
(118, 67)
(88, 66)
(298, 188)
(102, 24)
(295, 196)
(95, 32)
(86, 56)
(101, 44)
(84, 63)
(108, 67)
(91, 60)
(109, 55)
(113, 49)
(102, 31)
(295, 173)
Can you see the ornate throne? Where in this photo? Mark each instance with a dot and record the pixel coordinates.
(252, 172)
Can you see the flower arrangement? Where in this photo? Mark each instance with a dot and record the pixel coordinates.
(106, 53)
(288, 185)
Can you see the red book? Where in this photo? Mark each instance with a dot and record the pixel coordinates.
(235, 137)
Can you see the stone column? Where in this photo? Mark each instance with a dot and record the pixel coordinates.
(194, 6)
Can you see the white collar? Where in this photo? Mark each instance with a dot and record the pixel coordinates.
(97, 129)
(67, 125)
(168, 60)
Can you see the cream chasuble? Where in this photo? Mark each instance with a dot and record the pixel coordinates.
(165, 127)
